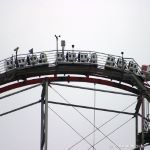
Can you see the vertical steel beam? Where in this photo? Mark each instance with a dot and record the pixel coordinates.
(143, 120)
(42, 124)
(136, 131)
(44, 116)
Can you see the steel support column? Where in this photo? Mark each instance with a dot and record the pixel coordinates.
(44, 116)
(143, 120)
(136, 133)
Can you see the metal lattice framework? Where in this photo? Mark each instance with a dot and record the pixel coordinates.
(54, 71)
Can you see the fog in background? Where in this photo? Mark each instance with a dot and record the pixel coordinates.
(108, 26)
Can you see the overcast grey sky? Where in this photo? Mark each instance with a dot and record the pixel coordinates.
(108, 26)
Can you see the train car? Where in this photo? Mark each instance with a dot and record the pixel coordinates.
(59, 57)
(93, 58)
(43, 58)
(71, 57)
(9, 64)
(133, 67)
(32, 59)
(21, 62)
(76, 59)
(83, 57)
(110, 62)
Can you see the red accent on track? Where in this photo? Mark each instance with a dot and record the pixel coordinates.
(68, 79)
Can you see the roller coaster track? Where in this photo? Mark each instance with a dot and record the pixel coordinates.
(65, 71)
